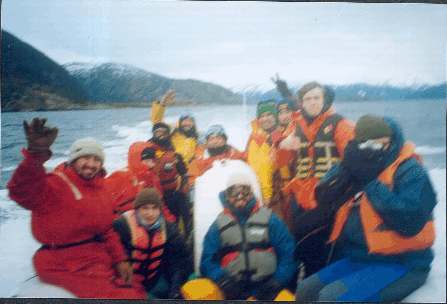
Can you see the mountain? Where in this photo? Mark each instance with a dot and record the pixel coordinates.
(30, 81)
(358, 92)
(121, 83)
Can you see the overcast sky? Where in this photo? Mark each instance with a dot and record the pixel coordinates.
(242, 43)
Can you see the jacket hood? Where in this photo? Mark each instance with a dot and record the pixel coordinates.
(134, 162)
(241, 214)
(74, 177)
(397, 139)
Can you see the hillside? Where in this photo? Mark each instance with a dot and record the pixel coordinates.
(31, 81)
(121, 83)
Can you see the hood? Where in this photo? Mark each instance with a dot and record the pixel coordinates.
(134, 157)
(240, 214)
(397, 139)
(68, 170)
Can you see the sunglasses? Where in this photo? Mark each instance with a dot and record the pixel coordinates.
(371, 145)
(239, 192)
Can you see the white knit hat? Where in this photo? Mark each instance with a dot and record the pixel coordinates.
(85, 146)
(238, 178)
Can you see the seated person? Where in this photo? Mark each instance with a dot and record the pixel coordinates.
(215, 148)
(71, 217)
(383, 231)
(247, 251)
(159, 256)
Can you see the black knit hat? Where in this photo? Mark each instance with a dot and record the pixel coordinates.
(371, 127)
(161, 125)
(148, 153)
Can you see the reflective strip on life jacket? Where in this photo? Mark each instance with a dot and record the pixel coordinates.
(379, 239)
(77, 194)
(146, 252)
(316, 158)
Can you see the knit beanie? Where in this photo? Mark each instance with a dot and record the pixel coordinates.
(288, 103)
(238, 178)
(161, 125)
(85, 146)
(371, 127)
(266, 106)
(216, 130)
(148, 196)
(148, 153)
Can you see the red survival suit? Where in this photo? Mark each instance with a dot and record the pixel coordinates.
(202, 161)
(125, 184)
(69, 215)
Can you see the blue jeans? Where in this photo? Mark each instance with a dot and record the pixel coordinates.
(346, 280)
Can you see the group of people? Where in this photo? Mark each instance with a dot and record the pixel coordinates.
(345, 212)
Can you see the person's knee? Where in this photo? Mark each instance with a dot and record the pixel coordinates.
(332, 292)
(308, 289)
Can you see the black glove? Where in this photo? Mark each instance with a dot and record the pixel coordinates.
(38, 136)
(364, 165)
(268, 290)
(328, 191)
(230, 287)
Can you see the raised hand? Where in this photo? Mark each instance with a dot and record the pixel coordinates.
(168, 98)
(282, 87)
(39, 136)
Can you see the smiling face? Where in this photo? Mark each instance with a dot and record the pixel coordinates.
(149, 213)
(161, 133)
(239, 195)
(313, 101)
(267, 120)
(87, 166)
(186, 124)
(284, 115)
(215, 141)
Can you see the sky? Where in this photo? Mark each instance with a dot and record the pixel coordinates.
(241, 44)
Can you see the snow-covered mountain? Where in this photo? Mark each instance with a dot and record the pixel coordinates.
(353, 92)
(122, 83)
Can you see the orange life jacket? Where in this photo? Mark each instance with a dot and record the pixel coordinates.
(167, 170)
(145, 251)
(379, 240)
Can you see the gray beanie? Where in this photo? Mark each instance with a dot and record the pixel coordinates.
(85, 146)
(371, 127)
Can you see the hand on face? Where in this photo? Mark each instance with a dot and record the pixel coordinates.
(365, 161)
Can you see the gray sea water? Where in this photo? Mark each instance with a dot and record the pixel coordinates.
(423, 122)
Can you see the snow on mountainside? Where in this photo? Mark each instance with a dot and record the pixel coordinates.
(122, 83)
(353, 92)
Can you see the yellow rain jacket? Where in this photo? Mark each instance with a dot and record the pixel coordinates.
(261, 157)
(183, 145)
